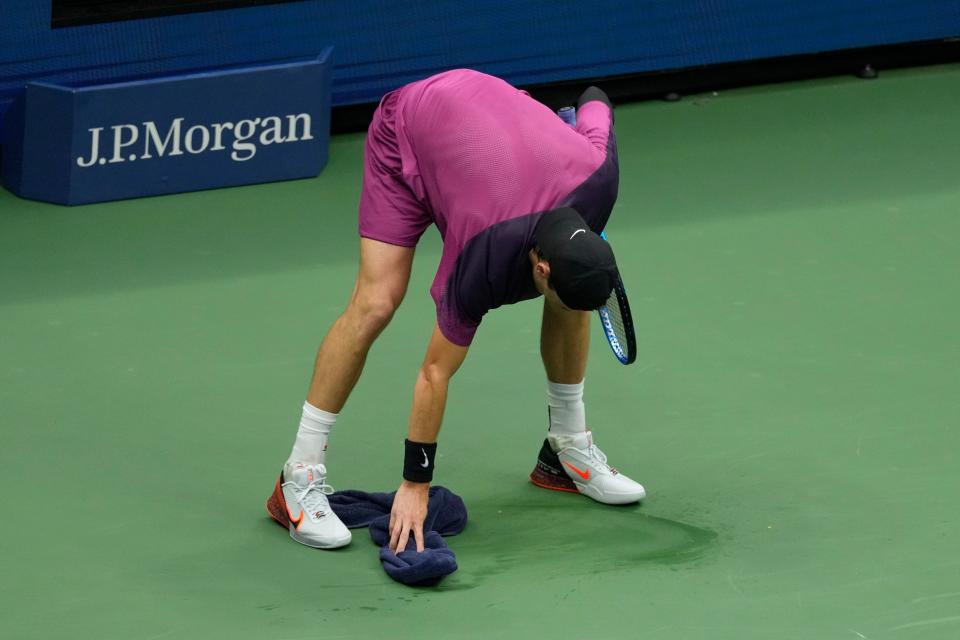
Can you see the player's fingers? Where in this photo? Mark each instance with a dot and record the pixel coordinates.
(394, 534)
(418, 535)
(402, 542)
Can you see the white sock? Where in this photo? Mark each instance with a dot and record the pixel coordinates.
(565, 408)
(311, 443)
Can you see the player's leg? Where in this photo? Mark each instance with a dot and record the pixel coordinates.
(381, 285)
(299, 499)
(564, 343)
(568, 460)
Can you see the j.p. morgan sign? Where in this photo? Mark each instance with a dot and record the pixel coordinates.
(239, 139)
(166, 135)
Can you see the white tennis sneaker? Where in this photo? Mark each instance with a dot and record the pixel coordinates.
(575, 464)
(299, 502)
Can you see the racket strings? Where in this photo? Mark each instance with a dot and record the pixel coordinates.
(616, 319)
(617, 324)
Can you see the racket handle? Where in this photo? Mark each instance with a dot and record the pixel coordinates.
(568, 115)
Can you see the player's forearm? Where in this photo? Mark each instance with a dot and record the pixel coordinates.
(430, 392)
(429, 401)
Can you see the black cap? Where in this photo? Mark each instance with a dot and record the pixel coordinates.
(582, 267)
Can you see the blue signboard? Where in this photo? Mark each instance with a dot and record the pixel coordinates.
(74, 145)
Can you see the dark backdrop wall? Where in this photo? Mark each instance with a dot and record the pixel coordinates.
(380, 45)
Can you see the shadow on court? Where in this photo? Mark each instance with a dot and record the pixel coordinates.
(557, 541)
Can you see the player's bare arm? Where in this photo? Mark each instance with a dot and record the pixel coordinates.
(442, 360)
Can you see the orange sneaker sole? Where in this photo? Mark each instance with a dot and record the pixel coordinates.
(547, 481)
(276, 507)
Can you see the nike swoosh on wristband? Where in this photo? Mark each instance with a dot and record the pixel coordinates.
(583, 474)
(426, 460)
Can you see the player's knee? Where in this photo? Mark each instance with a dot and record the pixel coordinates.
(375, 310)
(434, 374)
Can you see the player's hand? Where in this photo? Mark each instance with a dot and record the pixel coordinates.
(408, 513)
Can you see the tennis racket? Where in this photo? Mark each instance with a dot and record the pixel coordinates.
(617, 322)
(615, 317)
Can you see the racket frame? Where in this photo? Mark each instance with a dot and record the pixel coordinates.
(625, 353)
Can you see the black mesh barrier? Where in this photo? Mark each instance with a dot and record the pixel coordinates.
(70, 13)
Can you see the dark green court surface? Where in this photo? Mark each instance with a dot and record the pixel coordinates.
(792, 252)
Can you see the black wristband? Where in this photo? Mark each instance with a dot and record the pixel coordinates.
(418, 459)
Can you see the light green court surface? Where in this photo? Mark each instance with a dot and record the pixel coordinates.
(793, 261)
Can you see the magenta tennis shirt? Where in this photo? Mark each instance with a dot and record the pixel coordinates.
(482, 161)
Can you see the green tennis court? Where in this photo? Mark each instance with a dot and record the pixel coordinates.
(792, 258)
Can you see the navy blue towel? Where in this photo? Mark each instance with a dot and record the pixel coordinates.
(446, 516)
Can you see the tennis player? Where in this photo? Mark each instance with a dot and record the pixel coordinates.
(519, 198)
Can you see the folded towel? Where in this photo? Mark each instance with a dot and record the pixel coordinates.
(446, 516)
